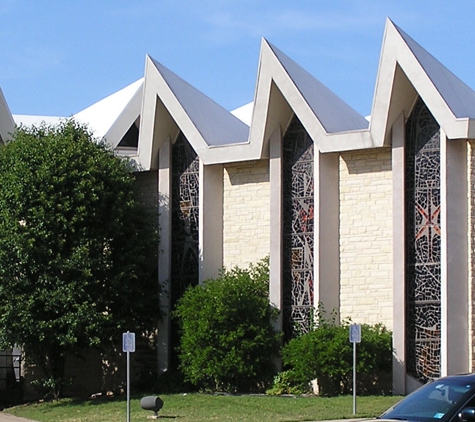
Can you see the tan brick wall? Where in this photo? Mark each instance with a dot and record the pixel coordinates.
(246, 208)
(366, 235)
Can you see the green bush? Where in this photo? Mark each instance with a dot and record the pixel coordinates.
(227, 337)
(284, 383)
(326, 354)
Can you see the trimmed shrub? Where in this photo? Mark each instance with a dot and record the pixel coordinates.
(227, 337)
(326, 354)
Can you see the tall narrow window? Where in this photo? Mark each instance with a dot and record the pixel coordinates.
(423, 248)
(185, 212)
(298, 229)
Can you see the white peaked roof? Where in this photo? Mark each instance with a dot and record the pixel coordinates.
(333, 113)
(165, 104)
(31, 120)
(244, 113)
(108, 119)
(457, 94)
(284, 88)
(405, 71)
(111, 117)
(7, 124)
(171, 105)
(216, 125)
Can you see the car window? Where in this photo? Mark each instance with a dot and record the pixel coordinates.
(469, 403)
(434, 402)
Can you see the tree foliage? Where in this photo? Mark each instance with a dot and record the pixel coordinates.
(228, 339)
(326, 354)
(77, 248)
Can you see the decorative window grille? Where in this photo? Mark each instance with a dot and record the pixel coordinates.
(185, 213)
(298, 229)
(423, 248)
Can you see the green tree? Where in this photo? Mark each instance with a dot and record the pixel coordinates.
(228, 340)
(77, 248)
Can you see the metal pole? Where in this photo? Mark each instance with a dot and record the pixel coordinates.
(354, 378)
(128, 386)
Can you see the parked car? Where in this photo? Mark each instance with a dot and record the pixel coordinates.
(447, 399)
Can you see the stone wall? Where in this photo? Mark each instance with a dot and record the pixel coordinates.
(366, 236)
(246, 237)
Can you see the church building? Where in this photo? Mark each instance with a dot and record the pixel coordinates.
(370, 216)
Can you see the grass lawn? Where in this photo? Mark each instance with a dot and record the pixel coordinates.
(203, 407)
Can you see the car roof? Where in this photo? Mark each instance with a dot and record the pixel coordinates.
(467, 377)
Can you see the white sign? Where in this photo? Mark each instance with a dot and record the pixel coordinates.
(355, 333)
(128, 342)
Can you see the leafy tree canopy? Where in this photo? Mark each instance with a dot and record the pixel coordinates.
(77, 249)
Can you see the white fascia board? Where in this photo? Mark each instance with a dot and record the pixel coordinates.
(159, 100)
(460, 98)
(156, 124)
(298, 103)
(471, 129)
(147, 121)
(431, 96)
(231, 153)
(259, 130)
(393, 93)
(204, 112)
(325, 141)
(400, 78)
(395, 52)
(379, 126)
(271, 71)
(347, 141)
(334, 114)
(179, 114)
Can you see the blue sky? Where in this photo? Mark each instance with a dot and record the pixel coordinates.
(57, 57)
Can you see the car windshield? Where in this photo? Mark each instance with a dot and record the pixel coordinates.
(436, 401)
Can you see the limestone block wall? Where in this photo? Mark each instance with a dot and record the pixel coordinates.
(246, 232)
(366, 236)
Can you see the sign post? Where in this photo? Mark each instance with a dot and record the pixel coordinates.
(128, 346)
(355, 337)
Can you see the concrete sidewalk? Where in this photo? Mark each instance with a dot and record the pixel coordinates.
(5, 417)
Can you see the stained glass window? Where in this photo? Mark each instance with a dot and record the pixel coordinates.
(185, 212)
(298, 229)
(423, 248)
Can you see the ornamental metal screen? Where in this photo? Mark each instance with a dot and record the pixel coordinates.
(298, 229)
(185, 212)
(423, 248)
